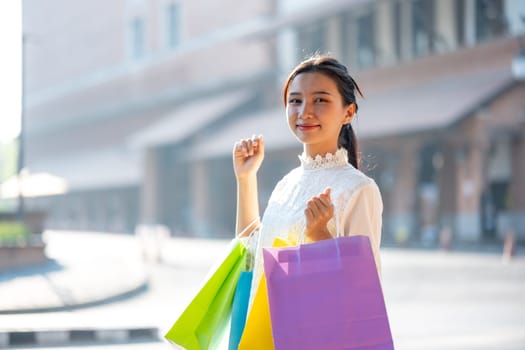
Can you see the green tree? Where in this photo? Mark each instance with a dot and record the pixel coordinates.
(8, 159)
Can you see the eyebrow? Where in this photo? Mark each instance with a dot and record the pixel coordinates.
(321, 92)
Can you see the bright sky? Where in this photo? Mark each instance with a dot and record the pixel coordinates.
(10, 69)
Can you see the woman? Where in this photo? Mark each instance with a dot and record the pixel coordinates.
(327, 194)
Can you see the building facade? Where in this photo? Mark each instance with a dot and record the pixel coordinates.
(137, 105)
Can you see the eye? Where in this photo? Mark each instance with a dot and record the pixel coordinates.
(320, 100)
(294, 100)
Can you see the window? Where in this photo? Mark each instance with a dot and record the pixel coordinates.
(422, 27)
(358, 42)
(490, 19)
(311, 39)
(365, 41)
(173, 17)
(137, 38)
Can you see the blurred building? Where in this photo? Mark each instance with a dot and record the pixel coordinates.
(137, 105)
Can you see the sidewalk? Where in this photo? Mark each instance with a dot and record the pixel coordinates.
(436, 299)
(79, 274)
(84, 278)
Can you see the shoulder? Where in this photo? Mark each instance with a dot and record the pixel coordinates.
(354, 183)
(351, 179)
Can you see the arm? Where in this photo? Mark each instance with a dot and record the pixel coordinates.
(248, 155)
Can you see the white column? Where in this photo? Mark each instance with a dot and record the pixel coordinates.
(470, 22)
(334, 37)
(513, 10)
(446, 25)
(384, 33)
(287, 50)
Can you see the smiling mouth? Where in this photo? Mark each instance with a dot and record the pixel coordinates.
(307, 127)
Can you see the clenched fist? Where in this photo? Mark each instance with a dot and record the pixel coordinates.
(248, 155)
(319, 210)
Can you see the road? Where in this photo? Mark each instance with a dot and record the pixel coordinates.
(435, 300)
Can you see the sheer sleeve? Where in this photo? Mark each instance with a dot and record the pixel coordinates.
(361, 214)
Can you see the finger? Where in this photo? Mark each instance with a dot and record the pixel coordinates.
(245, 147)
(255, 143)
(253, 147)
(326, 196)
(239, 149)
(260, 141)
(309, 215)
(309, 206)
(260, 144)
(325, 210)
(325, 200)
(315, 207)
(320, 205)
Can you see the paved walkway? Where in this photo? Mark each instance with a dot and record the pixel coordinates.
(459, 300)
(48, 305)
(96, 275)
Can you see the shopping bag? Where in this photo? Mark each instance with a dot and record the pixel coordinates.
(326, 295)
(240, 308)
(203, 322)
(257, 333)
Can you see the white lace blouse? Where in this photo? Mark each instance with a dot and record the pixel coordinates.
(356, 198)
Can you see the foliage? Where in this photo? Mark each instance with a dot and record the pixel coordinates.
(13, 232)
(8, 159)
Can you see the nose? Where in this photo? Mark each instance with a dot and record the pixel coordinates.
(305, 111)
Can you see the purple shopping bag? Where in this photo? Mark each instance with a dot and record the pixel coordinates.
(326, 295)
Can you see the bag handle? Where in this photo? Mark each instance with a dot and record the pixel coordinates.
(247, 241)
(247, 228)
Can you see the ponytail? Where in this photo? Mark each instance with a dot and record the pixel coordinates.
(348, 141)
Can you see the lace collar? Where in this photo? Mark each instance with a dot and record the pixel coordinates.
(330, 160)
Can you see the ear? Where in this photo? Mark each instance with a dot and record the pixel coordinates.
(349, 113)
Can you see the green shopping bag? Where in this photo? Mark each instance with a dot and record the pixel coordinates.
(203, 322)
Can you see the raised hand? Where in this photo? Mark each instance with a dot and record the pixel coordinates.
(248, 155)
(319, 210)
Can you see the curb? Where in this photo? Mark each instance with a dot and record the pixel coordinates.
(10, 339)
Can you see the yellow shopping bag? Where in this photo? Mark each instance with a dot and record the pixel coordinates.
(257, 333)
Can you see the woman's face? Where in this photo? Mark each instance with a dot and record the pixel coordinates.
(316, 112)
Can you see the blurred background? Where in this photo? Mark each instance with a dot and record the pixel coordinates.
(124, 115)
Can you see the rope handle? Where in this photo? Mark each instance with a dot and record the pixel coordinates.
(247, 241)
(243, 234)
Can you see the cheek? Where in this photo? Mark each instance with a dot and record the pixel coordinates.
(291, 113)
(320, 110)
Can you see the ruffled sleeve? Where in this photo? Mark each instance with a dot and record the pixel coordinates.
(361, 214)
